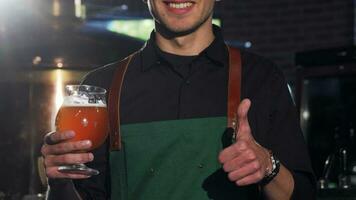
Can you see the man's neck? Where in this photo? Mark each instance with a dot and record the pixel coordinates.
(187, 45)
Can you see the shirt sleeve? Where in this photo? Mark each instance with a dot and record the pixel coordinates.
(286, 140)
(61, 189)
(96, 187)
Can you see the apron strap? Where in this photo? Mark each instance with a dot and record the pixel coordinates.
(234, 87)
(234, 95)
(114, 102)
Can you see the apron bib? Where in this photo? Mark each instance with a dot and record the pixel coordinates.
(175, 160)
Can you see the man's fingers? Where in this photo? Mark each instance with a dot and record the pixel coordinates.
(57, 151)
(52, 172)
(66, 147)
(251, 179)
(245, 171)
(68, 159)
(232, 151)
(240, 161)
(56, 137)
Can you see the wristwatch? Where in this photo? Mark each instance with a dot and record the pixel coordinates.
(271, 173)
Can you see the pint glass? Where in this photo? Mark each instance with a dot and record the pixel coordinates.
(84, 112)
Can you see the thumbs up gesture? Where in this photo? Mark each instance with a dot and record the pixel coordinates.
(245, 161)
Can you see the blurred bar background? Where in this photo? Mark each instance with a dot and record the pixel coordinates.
(46, 44)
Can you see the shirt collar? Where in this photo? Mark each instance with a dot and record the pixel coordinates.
(149, 57)
(216, 51)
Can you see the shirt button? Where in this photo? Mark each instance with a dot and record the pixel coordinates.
(200, 166)
(152, 170)
(187, 82)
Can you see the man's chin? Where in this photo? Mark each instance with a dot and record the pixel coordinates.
(180, 31)
(172, 32)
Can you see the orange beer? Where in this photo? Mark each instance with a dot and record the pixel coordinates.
(84, 112)
(89, 122)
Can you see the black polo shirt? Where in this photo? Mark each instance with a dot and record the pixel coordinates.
(162, 86)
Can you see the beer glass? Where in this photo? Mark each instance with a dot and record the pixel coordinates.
(84, 112)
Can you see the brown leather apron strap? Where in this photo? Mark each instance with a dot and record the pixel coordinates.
(114, 103)
(234, 87)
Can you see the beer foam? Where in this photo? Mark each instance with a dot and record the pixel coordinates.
(83, 101)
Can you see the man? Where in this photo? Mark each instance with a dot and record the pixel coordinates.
(173, 102)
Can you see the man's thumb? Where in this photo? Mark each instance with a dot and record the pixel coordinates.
(244, 129)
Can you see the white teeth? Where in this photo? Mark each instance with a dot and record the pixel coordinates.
(180, 5)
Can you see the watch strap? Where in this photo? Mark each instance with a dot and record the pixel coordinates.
(272, 172)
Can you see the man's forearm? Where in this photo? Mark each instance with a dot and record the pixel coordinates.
(281, 187)
(60, 189)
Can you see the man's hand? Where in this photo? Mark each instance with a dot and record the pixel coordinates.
(245, 161)
(58, 151)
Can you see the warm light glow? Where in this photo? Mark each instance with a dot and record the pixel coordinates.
(56, 8)
(36, 60)
(58, 95)
(59, 65)
(59, 62)
(84, 11)
(77, 2)
(78, 8)
(137, 28)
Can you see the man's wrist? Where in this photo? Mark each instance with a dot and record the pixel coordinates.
(272, 169)
(60, 189)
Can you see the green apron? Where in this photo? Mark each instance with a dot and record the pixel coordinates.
(173, 160)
